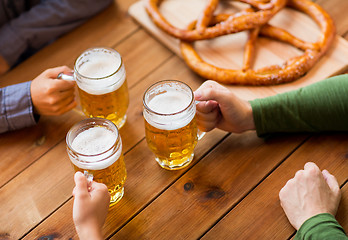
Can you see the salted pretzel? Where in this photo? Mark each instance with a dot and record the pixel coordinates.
(291, 70)
(234, 23)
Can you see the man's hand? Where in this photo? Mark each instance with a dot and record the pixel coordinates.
(220, 108)
(309, 193)
(52, 96)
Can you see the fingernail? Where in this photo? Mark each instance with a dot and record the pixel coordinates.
(79, 173)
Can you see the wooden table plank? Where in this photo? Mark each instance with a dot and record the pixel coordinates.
(132, 133)
(260, 216)
(43, 206)
(21, 148)
(338, 11)
(36, 192)
(53, 129)
(196, 201)
(40, 139)
(144, 182)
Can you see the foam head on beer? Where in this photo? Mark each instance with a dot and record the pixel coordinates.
(170, 103)
(100, 66)
(95, 142)
(100, 71)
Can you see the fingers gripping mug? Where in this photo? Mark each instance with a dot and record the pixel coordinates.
(101, 79)
(171, 131)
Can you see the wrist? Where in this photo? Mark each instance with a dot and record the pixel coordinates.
(249, 118)
(89, 231)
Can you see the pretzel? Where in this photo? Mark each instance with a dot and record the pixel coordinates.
(291, 70)
(236, 23)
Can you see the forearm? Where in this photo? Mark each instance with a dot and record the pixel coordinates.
(16, 109)
(89, 232)
(319, 107)
(321, 226)
(43, 23)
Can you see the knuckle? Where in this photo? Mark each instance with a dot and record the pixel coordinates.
(210, 82)
(102, 188)
(299, 174)
(50, 89)
(314, 172)
(210, 91)
(281, 193)
(45, 72)
(56, 109)
(52, 101)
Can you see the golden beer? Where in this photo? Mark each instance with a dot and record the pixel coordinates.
(173, 148)
(101, 78)
(112, 106)
(95, 148)
(170, 124)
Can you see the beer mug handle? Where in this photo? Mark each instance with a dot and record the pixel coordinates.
(200, 134)
(89, 177)
(65, 77)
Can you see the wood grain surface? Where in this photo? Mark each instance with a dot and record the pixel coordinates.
(228, 51)
(230, 191)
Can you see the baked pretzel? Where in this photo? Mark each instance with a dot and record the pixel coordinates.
(291, 70)
(234, 23)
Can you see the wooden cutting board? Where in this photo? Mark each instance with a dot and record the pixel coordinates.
(227, 51)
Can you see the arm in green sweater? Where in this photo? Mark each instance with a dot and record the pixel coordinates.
(322, 106)
(321, 226)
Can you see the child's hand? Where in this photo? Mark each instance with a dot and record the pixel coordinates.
(91, 204)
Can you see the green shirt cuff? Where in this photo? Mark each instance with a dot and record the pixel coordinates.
(321, 226)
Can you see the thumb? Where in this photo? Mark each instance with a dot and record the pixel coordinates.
(53, 72)
(331, 181)
(81, 184)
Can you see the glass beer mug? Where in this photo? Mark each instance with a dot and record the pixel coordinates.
(101, 79)
(169, 111)
(94, 147)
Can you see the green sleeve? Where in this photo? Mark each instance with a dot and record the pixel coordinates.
(321, 226)
(322, 106)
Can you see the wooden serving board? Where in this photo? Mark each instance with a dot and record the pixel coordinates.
(227, 51)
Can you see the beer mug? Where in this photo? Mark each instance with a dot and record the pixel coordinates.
(94, 147)
(169, 111)
(101, 79)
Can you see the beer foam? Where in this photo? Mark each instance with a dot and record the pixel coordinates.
(100, 66)
(168, 102)
(95, 141)
(104, 71)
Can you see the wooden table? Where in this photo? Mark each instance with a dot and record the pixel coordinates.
(230, 191)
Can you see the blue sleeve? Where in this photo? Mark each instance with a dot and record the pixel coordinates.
(16, 108)
(43, 23)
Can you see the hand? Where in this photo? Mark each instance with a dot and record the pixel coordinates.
(51, 96)
(220, 108)
(4, 67)
(91, 204)
(309, 193)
